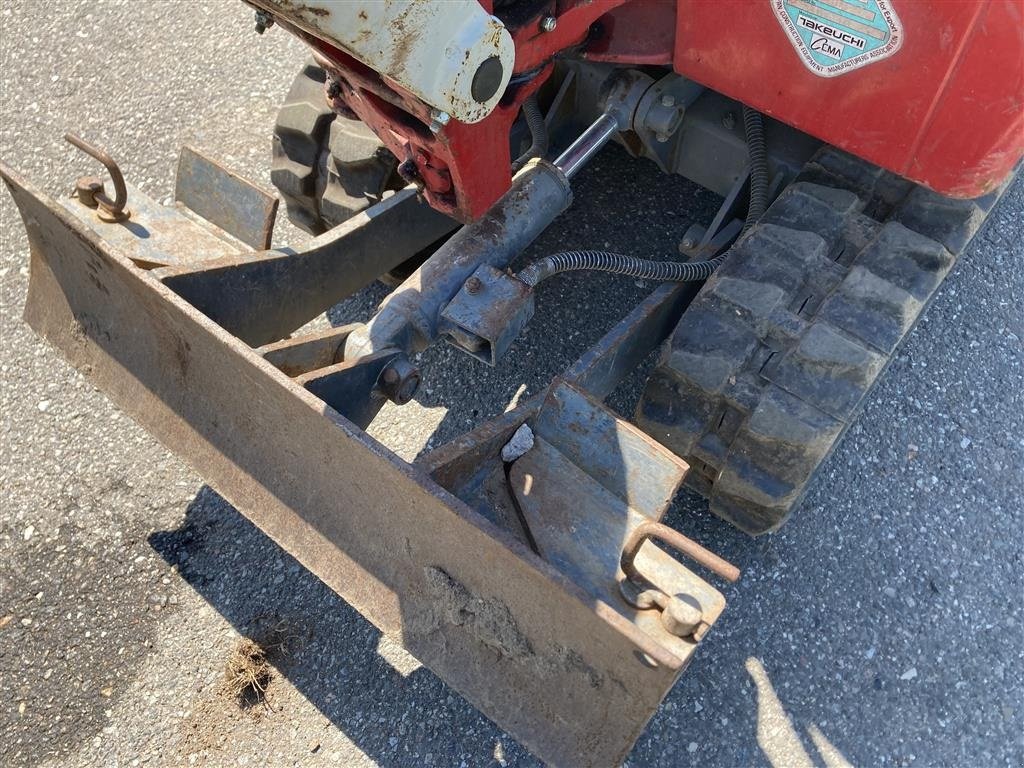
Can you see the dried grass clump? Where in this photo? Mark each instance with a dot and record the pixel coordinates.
(250, 668)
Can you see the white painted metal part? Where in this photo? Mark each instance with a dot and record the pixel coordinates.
(431, 48)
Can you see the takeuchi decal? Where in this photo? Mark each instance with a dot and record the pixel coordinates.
(833, 37)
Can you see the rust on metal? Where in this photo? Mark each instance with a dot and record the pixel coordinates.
(86, 188)
(244, 292)
(108, 210)
(302, 354)
(272, 429)
(513, 495)
(407, 554)
(685, 545)
(225, 199)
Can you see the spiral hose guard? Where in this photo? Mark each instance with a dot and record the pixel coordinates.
(669, 271)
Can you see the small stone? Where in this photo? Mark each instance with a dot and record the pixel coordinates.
(26, 622)
(43, 405)
(521, 442)
(870, 653)
(964, 442)
(21, 708)
(393, 742)
(691, 747)
(697, 706)
(29, 530)
(889, 592)
(910, 674)
(107, 692)
(499, 754)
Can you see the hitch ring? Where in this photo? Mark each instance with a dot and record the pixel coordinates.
(681, 614)
(107, 210)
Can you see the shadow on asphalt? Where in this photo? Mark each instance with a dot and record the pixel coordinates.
(399, 713)
(336, 665)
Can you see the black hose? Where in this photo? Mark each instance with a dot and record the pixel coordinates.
(672, 271)
(757, 151)
(538, 132)
(620, 264)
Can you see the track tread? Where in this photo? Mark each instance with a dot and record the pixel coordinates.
(326, 167)
(774, 358)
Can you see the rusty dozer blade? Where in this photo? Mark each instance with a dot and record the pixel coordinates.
(164, 309)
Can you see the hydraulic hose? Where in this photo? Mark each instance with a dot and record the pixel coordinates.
(757, 151)
(620, 264)
(672, 271)
(538, 132)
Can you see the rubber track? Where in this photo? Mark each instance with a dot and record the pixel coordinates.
(326, 167)
(772, 361)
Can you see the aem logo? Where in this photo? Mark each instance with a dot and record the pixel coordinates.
(834, 37)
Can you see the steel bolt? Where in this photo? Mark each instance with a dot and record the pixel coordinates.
(264, 21)
(438, 120)
(668, 100)
(400, 381)
(408, 389)
(473, 285)
(86, 188)
(408, 170)
(548, 24)
(681, 617)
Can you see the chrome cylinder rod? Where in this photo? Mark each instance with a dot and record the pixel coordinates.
(587, 145)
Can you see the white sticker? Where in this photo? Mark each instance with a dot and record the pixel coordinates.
(833, 37)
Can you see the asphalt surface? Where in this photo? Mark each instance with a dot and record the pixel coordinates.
(881, 627)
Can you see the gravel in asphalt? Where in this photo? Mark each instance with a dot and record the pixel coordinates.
(881, 627)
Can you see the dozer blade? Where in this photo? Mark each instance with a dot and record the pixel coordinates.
(545, 646)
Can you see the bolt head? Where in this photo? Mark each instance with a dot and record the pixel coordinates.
(407, 389)
(86, 189)
(682, 616)
(263, 22)
(473, 285)
(668, 100)
(438, 120)
(548, 24)
(400, 380)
